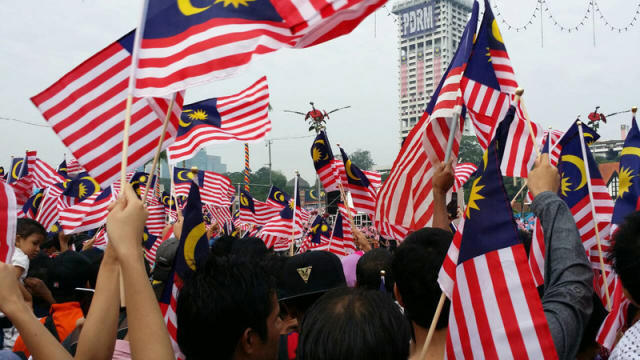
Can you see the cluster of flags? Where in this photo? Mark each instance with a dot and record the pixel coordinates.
(491, 283)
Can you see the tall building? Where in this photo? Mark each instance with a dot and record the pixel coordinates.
(428, 36)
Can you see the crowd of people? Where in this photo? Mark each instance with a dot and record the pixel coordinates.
(63, 298)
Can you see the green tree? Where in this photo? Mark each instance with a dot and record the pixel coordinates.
(362, 159)
(259, 185)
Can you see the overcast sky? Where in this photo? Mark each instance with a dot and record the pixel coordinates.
(43, 40)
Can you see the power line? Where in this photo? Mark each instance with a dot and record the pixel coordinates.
(23, 122)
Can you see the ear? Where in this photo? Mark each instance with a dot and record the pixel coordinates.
(247, 341)
(396, 293)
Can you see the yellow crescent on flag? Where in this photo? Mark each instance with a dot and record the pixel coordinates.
(190, 244)
(580, 165)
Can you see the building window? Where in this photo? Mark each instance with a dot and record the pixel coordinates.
(613, 186)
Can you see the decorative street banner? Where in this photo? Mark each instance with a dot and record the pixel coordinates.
(418, 19)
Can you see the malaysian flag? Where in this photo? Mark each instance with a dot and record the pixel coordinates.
(169, 206)
(405, 199)
(184, 45)
(88, 214)
(323, 162)
(221, 214)
(552, 137)
(215, 189)
(318, 236)
(579, 176)
(64, 195)
(8, 221)
(192, 253)
(341, 241)
(44, 175)
(495, 309)
(281, 199)
(73, 167)
(489, 85)
(240, 117)
(86, 109)
(156, 220)
(629, 182)
(255, 212)
(150, 244)
(362, 192)
(375, 178)
(20, 178)
(3, 175)
(462, 173)
(30, 208)
(420, 71)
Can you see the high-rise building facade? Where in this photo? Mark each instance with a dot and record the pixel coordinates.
(428, 36)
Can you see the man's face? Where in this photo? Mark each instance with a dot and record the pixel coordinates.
(269, 348)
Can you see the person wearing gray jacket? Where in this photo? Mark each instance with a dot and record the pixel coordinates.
(568, 278)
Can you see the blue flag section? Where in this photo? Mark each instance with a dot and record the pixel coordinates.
(30, 208)
(571, 166)
(62, 169)
(281, 198)
(488, 40)
(321, 152)
(319, 230)
(193, 248)
(167, 18)
(489, 221)
(200, 114)
(629, 181)
(185, 176)
(141, 178)
(246, 201)
(18, 170)
(355, 176)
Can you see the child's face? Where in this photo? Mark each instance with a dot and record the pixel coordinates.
(30, 245)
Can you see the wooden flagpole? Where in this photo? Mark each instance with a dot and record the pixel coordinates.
(593, 214)
(295, 203)
(158, 149)
(132, 82)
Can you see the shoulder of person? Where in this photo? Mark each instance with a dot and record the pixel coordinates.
(20, 259)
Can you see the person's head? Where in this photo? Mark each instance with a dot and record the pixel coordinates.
(69, 270)
(29, 235)
(416, 263)
(625, 256)
(351, 324)
(368, 270)
(229, 308)
(222, 246)
(251, 247)
(306, 277)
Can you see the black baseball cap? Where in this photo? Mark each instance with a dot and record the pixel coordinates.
(313, 272)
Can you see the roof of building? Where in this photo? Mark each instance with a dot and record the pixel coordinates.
(608, 169)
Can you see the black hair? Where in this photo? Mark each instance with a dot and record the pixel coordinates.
(348, 323)
(251, 247)
(224, 298)
(369, 267)
(625, 255)
(222, 246)
(27, 227)
(415, 266)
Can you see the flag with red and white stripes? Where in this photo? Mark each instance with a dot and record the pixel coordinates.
(489, 86)
(255, 212)
(87, 214)
(462, 173)
(183, 46)
(240, 117)
(221, 214)
(20, 178)
(8, 221)
(215, 189)
(574, 190)
(86, 109)
(495, 309)
(73, 167)
(192, 253)
(156, 220)
(405, 201)
(363, 194)
(44, 175)
(375, 178)
(324, 163)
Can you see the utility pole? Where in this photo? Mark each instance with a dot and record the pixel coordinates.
(268, 145)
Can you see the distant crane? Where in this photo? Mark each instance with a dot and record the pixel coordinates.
(316, 117)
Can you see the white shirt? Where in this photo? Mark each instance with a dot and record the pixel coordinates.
(20, 259)
(629, 346)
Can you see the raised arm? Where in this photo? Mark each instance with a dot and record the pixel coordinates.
(148, 335)
(442, 181)
(98, 336)
(568, 288)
